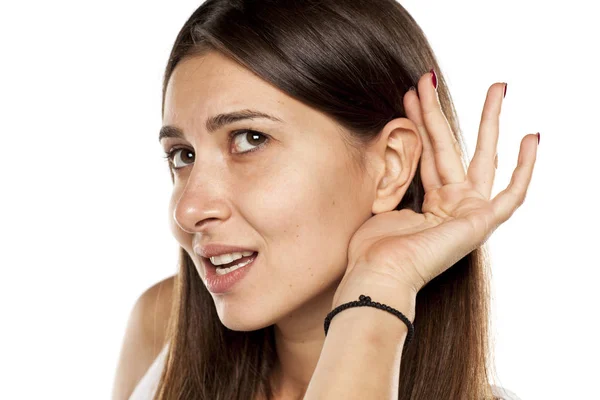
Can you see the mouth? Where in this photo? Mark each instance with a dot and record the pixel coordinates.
(221, 279)
(224, 269)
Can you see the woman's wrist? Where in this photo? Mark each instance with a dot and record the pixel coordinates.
(375, 324)
(361, 355)
(401, 298)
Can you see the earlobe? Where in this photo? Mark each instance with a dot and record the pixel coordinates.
(401, 151)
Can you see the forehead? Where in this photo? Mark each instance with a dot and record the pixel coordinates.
(203, 86)
(212, 83)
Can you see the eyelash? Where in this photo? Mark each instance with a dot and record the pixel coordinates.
(171, 153)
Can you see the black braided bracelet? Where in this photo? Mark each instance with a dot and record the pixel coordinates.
(366, 301)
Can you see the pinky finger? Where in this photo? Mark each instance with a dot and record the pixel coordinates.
(507, 201)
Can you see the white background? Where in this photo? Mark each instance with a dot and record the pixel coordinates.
(84, 190)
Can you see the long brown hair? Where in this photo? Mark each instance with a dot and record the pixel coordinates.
(353, 60)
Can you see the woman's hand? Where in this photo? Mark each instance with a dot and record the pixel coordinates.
(404, 250)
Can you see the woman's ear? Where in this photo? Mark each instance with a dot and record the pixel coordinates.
(397, 154)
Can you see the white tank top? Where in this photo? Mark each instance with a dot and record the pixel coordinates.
(146, 388)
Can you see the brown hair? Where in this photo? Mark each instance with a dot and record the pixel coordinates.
(353, 60)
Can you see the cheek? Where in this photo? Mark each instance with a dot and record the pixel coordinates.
(305, 218)
(287, 202)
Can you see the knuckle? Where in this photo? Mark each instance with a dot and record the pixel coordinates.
(429, 112)
(520, 198)
(456, 145)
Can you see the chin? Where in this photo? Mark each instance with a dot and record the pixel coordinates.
(243, 326)
(244, 322)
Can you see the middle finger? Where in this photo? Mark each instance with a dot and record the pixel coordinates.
(445, 145)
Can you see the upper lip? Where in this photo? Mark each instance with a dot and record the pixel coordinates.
(215, 249)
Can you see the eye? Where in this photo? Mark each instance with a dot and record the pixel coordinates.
(187, 156)
(172, 159)
(254, 135)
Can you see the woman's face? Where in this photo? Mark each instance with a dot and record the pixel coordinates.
(297, 199)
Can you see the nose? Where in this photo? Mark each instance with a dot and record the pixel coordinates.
(202, 204)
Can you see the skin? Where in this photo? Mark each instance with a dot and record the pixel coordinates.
(297, 200)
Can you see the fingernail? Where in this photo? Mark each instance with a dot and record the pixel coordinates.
(433, 78)
(505, 86)
(538, 134)
(412, 88)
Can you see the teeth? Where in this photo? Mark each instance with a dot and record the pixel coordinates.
(227, 258)
(223, 271)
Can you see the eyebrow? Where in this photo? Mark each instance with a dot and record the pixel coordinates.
(216, 122)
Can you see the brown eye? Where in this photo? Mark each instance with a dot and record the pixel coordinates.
(250, 138)
(182, 157)
(185, 155)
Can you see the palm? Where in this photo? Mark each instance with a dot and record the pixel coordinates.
(457, 214)
(460, 201)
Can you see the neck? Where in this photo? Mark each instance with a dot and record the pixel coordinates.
(299, 339)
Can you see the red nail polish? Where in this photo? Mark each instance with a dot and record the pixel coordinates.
(433, 78)
(505, 86)
(538, 135)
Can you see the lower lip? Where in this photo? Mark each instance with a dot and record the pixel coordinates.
(223, 283)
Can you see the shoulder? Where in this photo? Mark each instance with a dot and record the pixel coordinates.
(504, 393)
(145, 336)
(154, 307)
(150, 315)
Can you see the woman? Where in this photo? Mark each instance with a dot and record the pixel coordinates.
(294, 143)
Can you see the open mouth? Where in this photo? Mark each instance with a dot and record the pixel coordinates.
(234, 265)
(235, 262)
